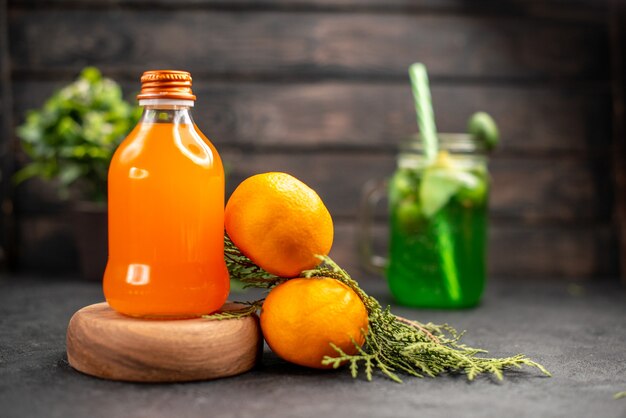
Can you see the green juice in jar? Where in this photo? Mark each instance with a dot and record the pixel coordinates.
(438, 260)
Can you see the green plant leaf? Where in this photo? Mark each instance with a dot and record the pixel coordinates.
(91, 74)
(29, 171)
(69, 173)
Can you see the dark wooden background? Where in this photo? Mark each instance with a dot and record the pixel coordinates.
(318, 88)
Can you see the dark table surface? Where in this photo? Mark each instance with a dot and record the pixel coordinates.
(578, 331)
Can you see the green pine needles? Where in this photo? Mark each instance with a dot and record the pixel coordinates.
(243, 269)
(393, 345)
(248, 309)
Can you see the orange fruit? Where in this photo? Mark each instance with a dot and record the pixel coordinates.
(301, 317)
(279, 223)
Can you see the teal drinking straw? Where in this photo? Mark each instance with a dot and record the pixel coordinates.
(428, 133)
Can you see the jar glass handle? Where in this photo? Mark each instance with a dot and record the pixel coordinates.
(372, 193)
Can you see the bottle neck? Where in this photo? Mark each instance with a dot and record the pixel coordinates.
(177, 112)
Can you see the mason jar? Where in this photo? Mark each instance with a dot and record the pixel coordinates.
(437, 224)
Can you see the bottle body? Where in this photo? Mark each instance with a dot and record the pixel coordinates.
(166, 220)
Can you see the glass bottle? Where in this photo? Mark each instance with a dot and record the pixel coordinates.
(166, 210)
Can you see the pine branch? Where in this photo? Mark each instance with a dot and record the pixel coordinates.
(243, 269)
(393, 345)
(250, 308)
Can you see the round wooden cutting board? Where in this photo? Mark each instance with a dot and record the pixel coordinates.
(106, 344)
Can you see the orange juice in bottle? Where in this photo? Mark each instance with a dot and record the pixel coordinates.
(166, 210)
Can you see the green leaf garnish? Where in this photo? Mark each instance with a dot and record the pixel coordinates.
(441, 181)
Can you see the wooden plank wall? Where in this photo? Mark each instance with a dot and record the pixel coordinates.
(7, 225)
(617, 25)
(318, 88)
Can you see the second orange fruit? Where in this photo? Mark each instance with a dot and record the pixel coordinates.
(279, 223)
(301, 317)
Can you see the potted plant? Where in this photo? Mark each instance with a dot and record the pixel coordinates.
(70, 142)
